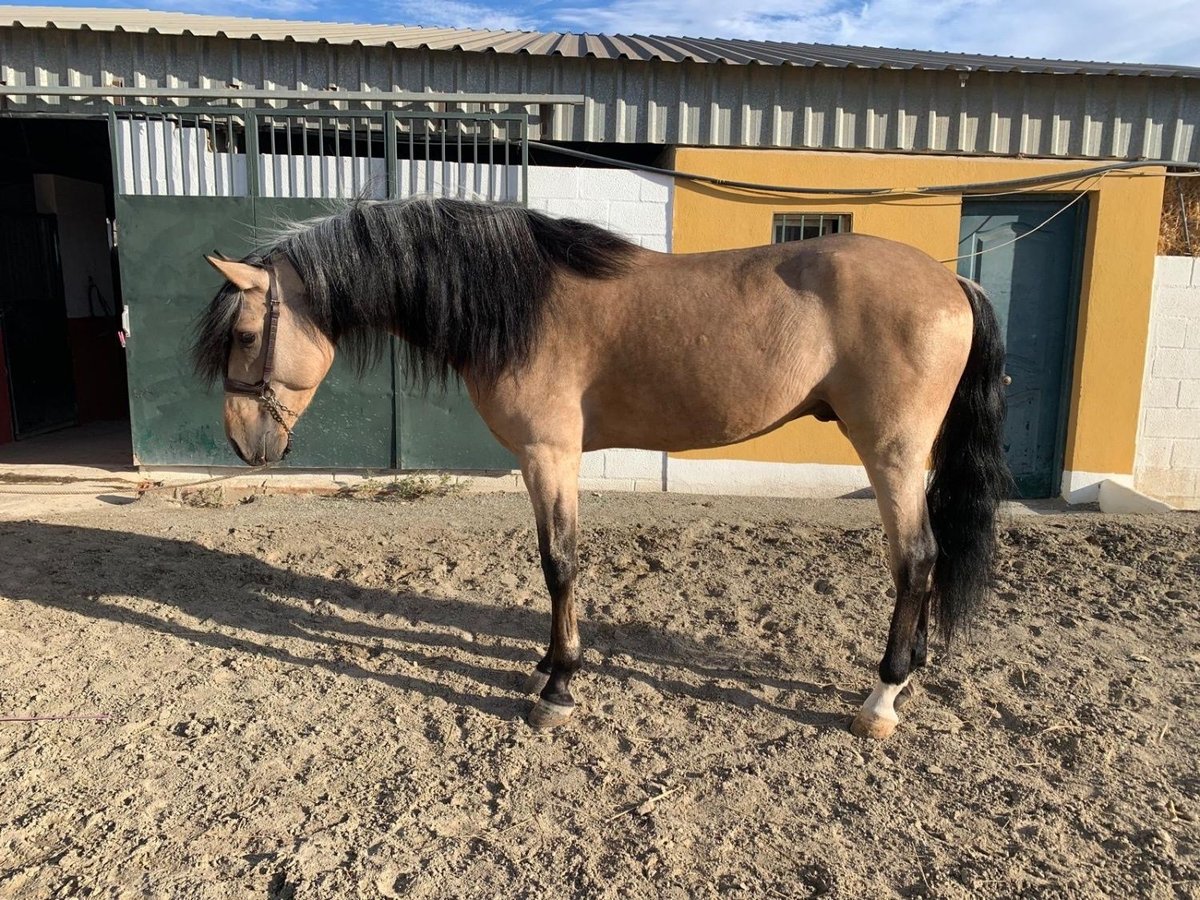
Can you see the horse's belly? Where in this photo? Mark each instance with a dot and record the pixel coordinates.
(668, 413)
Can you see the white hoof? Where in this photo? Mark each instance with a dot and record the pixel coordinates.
(877, 719)
(546, 715)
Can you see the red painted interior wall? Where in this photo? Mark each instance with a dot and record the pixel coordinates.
(99, 364)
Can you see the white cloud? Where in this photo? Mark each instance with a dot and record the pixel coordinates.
(456, 14)
(1112, 30)
(274, 9)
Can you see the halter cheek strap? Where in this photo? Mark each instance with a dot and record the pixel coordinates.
(261, 390)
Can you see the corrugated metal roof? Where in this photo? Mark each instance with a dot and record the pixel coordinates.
(820, 107)
(632, 47)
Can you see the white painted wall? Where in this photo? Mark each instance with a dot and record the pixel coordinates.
(631, 203)
(1168, 447)
(82, 239)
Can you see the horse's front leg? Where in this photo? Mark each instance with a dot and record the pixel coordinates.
(552, 478)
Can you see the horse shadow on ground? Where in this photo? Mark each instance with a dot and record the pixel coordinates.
(74, 568)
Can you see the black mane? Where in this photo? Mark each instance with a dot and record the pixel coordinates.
(465, 283)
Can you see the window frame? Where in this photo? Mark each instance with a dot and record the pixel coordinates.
(779, 222)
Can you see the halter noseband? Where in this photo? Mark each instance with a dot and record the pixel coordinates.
(261, 390)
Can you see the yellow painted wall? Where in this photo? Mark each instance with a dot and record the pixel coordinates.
(1114, 312)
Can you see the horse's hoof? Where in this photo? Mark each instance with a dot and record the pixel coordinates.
(868, 725)
(546, 715)
(536, 682)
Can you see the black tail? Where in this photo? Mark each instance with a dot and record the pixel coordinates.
(970, 475)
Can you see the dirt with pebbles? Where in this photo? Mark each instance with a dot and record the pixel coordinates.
(316, 698)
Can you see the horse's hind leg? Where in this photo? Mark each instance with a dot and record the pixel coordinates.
(552, 478)
(897, 472)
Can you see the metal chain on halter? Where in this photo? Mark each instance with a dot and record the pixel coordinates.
(276, 409)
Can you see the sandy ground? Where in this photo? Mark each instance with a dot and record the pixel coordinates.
(318, 698)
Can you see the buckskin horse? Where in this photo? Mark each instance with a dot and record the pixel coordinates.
(570, 338)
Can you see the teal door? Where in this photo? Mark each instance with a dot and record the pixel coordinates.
(1032, 278)
(375, 421)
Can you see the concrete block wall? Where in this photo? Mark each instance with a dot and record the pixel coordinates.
(1168, 448)
(636, 205)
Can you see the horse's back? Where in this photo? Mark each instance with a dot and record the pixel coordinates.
(700, 350)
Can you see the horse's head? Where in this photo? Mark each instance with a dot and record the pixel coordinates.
(257, 337)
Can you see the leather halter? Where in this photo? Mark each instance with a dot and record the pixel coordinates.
(261, 390)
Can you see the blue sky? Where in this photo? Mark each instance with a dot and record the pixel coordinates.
(1163, 31)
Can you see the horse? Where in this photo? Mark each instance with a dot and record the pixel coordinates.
(571, 338)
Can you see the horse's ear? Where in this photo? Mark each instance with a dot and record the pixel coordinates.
(241, 275)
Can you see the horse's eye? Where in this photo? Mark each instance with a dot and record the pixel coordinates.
(246, 338)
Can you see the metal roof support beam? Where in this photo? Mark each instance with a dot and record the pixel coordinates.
(114, 92)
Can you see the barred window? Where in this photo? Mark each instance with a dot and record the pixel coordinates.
(801, 226)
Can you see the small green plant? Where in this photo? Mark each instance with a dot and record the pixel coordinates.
(406, 488)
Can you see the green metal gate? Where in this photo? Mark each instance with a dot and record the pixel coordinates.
(189, 181)
(1027, 257)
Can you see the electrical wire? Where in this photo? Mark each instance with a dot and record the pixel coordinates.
(1005, 187)
(1036, 228)
(966, 188)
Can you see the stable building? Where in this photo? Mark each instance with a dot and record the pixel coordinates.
(135, 141)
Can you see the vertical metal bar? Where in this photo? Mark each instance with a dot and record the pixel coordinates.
(492, 194)
(150, 155)
(230, 148)
(460, 172)
(321, 151)
(445, 168)
(337, 153)
(183, 161)
(252, 160)
(302, 137)
(525, 160)
(337, 157)
(170, 140)
(176, 186)
(389, 154)
(353, 159)
(412, 157)
(476, 182)
(286, 162)
(509, 196)
(274, 157)
(210, 153)
(505, 183)
(197, 153)
(117, 152)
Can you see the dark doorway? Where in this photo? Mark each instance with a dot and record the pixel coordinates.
(1029, 263)
(60, 311)
(33, 325)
